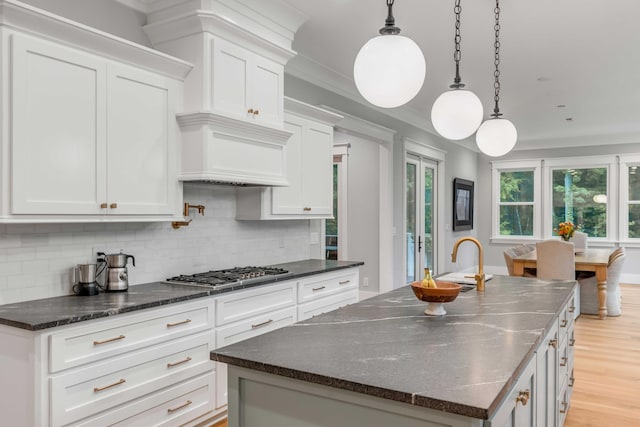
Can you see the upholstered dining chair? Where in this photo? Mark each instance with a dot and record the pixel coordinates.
(589, 287)
(515, 252)
(556, 260)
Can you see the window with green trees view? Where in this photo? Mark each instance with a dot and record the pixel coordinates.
(580, 196)
(516, 203)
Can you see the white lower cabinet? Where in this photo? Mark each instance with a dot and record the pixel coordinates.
(542, 393)
(326, 292)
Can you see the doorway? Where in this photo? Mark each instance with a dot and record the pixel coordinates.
(421, 188)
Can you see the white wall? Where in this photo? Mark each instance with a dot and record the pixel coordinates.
(36, 260)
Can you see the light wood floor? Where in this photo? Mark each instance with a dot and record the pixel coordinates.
(607, 368)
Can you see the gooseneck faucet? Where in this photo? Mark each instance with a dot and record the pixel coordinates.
(480, 276)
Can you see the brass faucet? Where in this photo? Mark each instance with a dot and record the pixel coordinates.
(480, 276)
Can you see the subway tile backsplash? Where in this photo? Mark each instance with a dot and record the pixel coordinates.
(36, 259)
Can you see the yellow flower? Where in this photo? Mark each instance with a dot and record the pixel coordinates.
(565, 230)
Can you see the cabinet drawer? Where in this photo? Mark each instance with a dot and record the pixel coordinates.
(255, 326)
(169, 407)
(80, 345)
(326, 304)
(320, 286)
(104, 385)
(254, 301)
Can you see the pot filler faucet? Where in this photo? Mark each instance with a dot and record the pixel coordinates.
(480, 275)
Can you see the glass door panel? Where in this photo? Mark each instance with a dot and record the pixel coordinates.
(411, 185)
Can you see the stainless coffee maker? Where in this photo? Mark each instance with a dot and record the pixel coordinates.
(116, 275)
(84, 279)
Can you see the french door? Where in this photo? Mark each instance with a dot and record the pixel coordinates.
(420, 207)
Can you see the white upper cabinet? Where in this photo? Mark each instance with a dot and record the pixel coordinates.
(245, 85)
(233, 126)
(92, 138)
(309, 170)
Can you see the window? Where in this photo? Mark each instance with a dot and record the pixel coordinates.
(580, 196)
(516, 191)
(630, 197)
(581, 190)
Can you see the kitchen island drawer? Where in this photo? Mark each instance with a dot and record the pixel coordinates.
(106, 338)
(322, 285)
(255, 326)
(184, 404)
(254, 301)
(103, 385)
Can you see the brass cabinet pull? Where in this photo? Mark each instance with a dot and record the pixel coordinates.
(344, 282)
(564, 359)
(256, 112)
(564, 408)
(523, 397)
(177, 408)
(306, 209)
(184, 322)
(261, 324)
(121, 337)
(572, 342)
(553, 343)
(180, 362)
(572, 309)
(563, 324)
(318, 289)
(250, 111)
(98, 389)
(103, 206)
(572, 381)
(113, 205)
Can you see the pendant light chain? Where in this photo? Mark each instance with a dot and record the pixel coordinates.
(457, 55)
(496, 61)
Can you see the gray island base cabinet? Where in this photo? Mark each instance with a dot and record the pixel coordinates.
(504, 358)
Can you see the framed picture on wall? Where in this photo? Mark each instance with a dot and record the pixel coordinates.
(462, 204)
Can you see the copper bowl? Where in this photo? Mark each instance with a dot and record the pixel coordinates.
(445, 292)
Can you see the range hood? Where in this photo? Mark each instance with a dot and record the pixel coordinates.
(232, 128)
(222, 150)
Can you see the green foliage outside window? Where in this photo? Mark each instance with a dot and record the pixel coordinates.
(634, 202)
(516, 203)
(573, 199)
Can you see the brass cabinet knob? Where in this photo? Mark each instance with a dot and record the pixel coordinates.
(553, 343)
(563, 323)
(306, 209)
(113, 205)
(103, 206)
(256, 112)
(250, 111)
(523, 397)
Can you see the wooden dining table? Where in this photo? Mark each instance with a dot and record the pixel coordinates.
(595, 260)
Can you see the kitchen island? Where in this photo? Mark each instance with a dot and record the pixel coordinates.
(499, 358)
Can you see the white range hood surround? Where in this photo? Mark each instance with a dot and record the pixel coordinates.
(233, 121)
(218, 149)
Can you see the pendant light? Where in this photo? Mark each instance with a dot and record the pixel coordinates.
(457, 113)
(496, 136)
(389, 69)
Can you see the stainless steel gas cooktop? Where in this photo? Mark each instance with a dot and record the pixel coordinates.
(231, 277)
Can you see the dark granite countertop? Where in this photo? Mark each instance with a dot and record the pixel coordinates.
(51, 312)
(464, 362)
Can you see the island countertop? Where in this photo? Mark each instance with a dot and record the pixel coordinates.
(464, 362)
(58, 311)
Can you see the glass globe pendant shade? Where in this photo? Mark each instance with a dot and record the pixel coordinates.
(456, 114)
(496, 137)
(389, 70)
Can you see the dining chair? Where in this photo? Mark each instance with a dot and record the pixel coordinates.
(589, 287)
(556, 260)
(579, 241)
(515, 252)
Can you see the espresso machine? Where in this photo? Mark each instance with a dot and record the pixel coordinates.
(116, 277)
(84, 279)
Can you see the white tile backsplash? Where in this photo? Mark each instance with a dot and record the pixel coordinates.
(36, 259)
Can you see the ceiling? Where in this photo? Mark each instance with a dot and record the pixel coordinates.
(567, 66)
